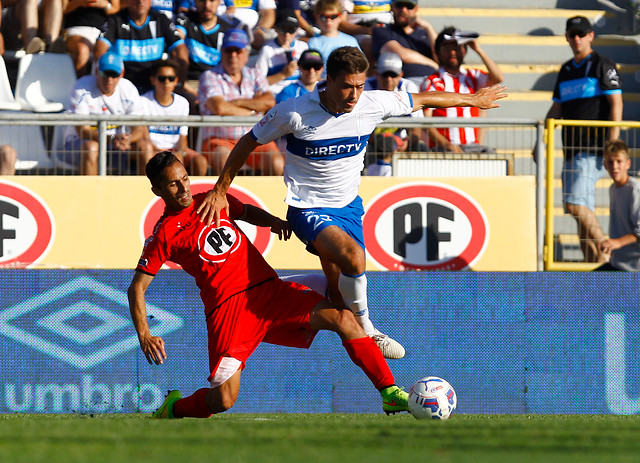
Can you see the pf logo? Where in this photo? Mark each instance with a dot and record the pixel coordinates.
(26, 226)
(216, 244)
(260, 236)
(425, 226)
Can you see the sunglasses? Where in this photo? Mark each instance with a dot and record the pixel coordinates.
(307, 67)
(401, 5)
(163, 79)
(389, 74)
(580, 34)
(326, 17)
(111, 74)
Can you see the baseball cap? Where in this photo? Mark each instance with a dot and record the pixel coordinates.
(413, 2)
(461, 37)
(311, 57)
(286, 20)
(389, 62)
(110, 62)
(236, 38)
(579, 23)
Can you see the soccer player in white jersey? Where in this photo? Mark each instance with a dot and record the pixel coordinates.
(162, 101)
(327, 132)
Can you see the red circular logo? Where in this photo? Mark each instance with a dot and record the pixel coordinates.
(425, 226)
(261, 237)
(26, 226)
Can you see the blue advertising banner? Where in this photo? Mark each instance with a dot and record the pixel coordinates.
(507, 342)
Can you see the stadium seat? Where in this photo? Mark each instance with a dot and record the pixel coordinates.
(28, 142)
(7, 100)
(45, 82)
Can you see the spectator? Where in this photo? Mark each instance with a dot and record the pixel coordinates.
(107, 93)
(278, 59)
(1, 36)
(451, 49)
(171, 8)
(141, 37)
(233, 89)
(202, 31)
(624, 214)
(162, 101)
(37, 35)
(409, 36)
(388, 76)
(329, 16)
(83, 20)
(363, 16)
(588, 88)
(259, 15)
(381, 148)
(305, 18)
(311, 66)
(8, 158)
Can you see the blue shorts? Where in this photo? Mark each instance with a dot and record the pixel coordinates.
(579, 178)
(308, 223)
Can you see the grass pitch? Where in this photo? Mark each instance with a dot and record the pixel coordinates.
(311, 438)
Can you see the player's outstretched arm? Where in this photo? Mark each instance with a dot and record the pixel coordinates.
(152, 346)
(261, 218)
(485, 98)
(216, 199)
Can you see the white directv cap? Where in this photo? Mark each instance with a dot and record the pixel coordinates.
(462, 37)
(390, 62)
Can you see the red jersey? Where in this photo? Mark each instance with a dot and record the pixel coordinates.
(466, 81)
(222, 260)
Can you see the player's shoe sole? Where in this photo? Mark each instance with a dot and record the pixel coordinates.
(394, 400)
(390, 348)
(166, 409)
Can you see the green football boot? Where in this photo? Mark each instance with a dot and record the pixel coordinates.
(394, 400)
(166, 409)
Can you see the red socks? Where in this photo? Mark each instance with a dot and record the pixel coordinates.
(194, 405)
(365, 353)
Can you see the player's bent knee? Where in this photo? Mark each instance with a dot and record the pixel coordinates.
(220, 400)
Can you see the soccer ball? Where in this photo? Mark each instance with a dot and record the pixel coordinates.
(433, 398)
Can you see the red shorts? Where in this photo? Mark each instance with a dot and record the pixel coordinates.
(276, 312)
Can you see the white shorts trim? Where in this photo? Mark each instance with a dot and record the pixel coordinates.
(226, 369)
(88, 32)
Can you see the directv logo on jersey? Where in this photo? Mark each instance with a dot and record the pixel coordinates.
(346, 148)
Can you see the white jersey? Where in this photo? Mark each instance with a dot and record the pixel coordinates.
(325, 151)
(165, 137)
(86, 98)
(273, 58)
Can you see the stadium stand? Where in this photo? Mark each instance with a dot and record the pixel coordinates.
(36, 90)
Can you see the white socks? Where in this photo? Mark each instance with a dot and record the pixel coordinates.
(354, 294)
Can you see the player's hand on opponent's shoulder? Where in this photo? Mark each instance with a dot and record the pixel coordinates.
(485, 98)
(153, 348)
(213, 203)
(282, 228)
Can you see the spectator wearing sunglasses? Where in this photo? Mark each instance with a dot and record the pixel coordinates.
(409, 36)
(278, 59)
(163, 101)
(588, 88)
(329, 15)
(107, 92)
(451, 48)
(388, 76)
(311, 66)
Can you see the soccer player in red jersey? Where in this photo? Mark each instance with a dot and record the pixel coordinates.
(245, 301)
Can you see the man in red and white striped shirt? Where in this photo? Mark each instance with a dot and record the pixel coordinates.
(451, 47)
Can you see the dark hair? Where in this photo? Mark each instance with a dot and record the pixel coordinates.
(347, 60)
(165, 63)
(159, 162)
(450, 31)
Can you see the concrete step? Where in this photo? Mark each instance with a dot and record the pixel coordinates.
(536, 21)
(533, 50)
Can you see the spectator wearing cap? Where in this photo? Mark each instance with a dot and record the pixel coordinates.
(388, 76)
(588, 88)
(142, 36)
(107, 92)
(258, 15)
(311, 66)
(451, 48)
(233, 89)
(409, 36)
(278, 59)
(329, 15)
